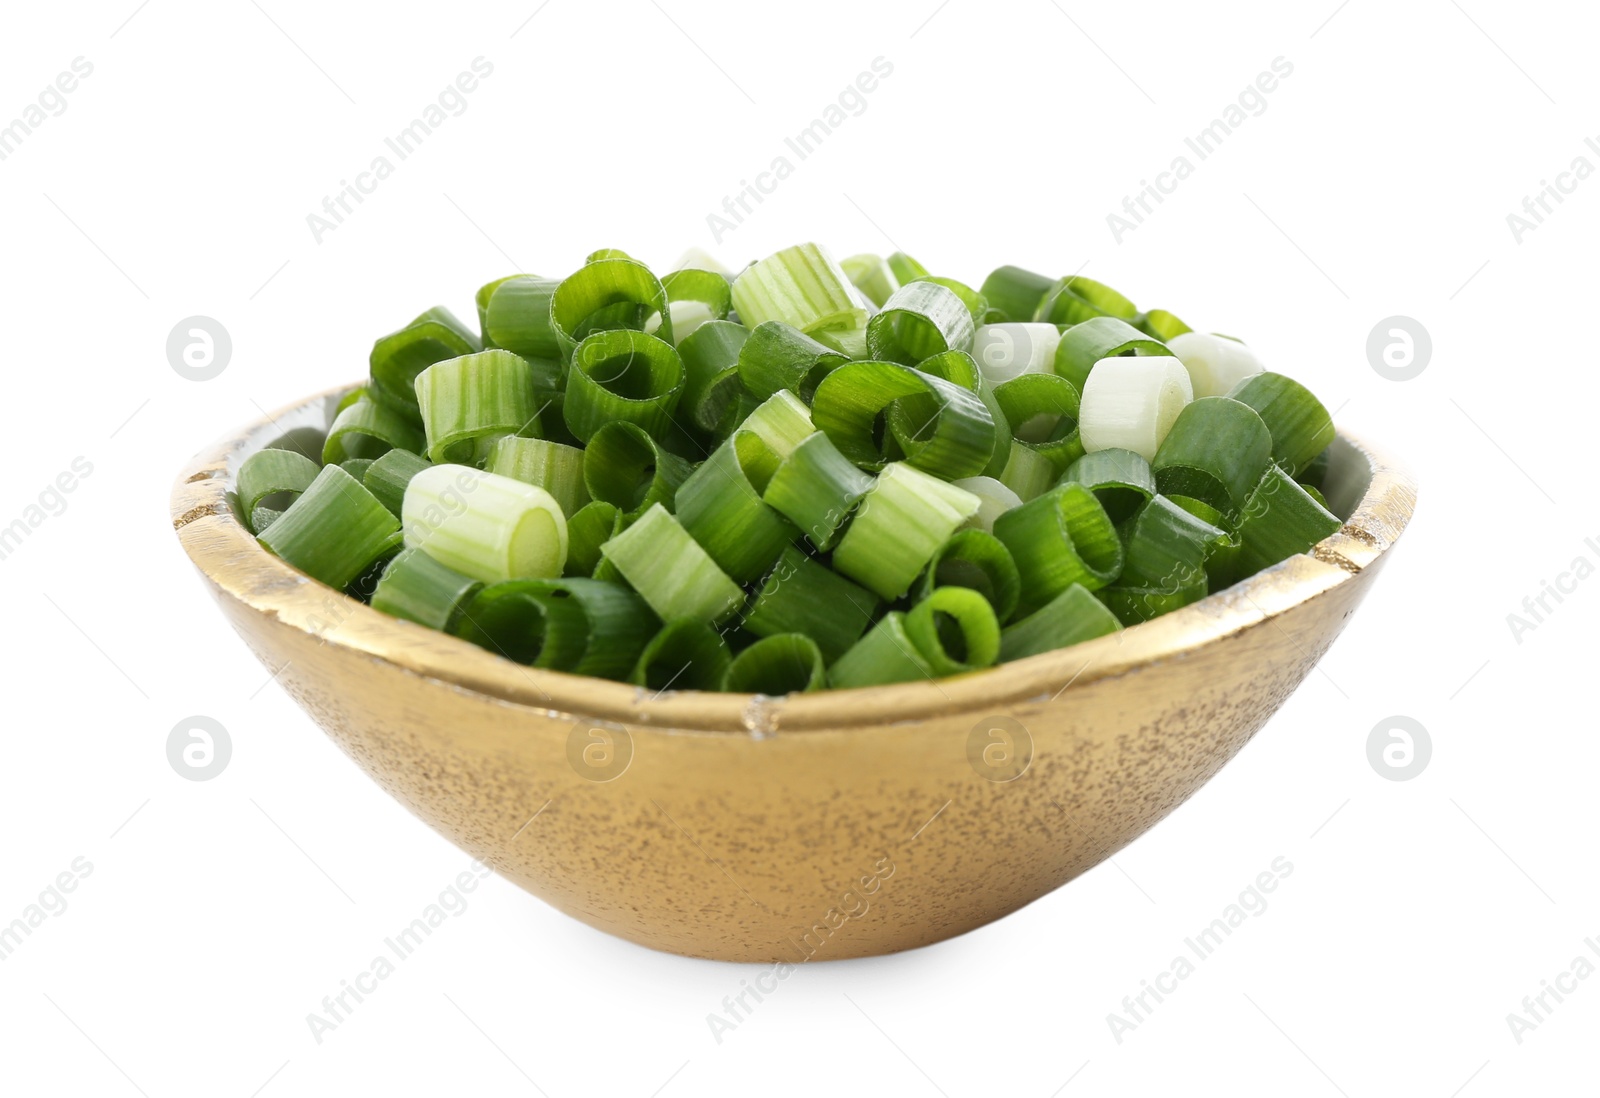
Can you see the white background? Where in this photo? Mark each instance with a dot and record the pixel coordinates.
(218, 914)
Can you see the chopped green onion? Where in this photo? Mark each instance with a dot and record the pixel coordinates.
(994, 500)
(777, 357)
(972, 558)
(1167, 547)
(1280, 520)
(800, 595)
(469, 402)
(594, 524)
(905, 268)
(685, 655)
(622, 375)
(1216, 452)
(816, 487)
(1009, 350)
(334, 531)
(1015, 293)
(268, 473)
(613, 293)
(1042, 410)
(418, 588)
(711, 385)
(720, 505)
(1160, 324)
(1028, 473)
(902, 521)
(954, 629)
(1131, 403)
(399, 357)
(671, 571)
(369, 429)
(1071, 617)
(556, 468)
(1215, 363)
(581, 626)
(628, 469)
(387, 477)
(1074, 299)
(782, 421)
(1120, 479)
(1132, 605)
(976, 303)
(884, 655)
(482, 298)
(518, 317)
(939, 426)
(484, 525)
(1061, 538)
(1300, 426)
(872, 275)
(1101, 337)
(920, 320)
(801, 286)
(784, 663)
(1222, 555)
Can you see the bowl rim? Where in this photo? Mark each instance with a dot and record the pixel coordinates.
(1378, 493)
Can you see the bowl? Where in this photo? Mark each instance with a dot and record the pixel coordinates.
(811, 827)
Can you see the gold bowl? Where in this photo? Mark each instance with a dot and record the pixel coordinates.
(839, 824)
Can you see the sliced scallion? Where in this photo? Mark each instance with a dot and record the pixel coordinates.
(367, 428)
(399, 357)
(1073, 616)
(518, 317)
(484, 525)
(940, 427)
(816, 487)
(1131, 403)
(1280, 520)
(556, 468)
(920, 320)
(1215, 363)
(954, 629)
(1061, 538)
(686, 654)
(594, 524)
(1097, 338)
(628, 469)
(994, 500)
(972, 558)
(720, 505)
(901, 522)
(1216, 451)
(1120, 479)
(1015, 293)
(671, 571)
(1009, 350)
(1300, 426)
(334, 531)
(418, 588)
(622, 375)
(784, 663)
(801, 286)
(801, 595)
(613, 293)
(467, 403)
(268, 473)
(884, 655)
(387, 477)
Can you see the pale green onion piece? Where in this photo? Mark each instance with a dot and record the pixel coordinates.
(399, 357)
(334, 531)
(1015, 293)
(783, 422)
(626, 375)
(1131, 403)
(469, 402)
(418, 588)
(606, 253)
(1216, 452)
(976, 303)
(1028, 473)
(694, 284)
(1061, 538)
(671, 571)
(711, 385)
(369, 429)
(1160, 324)
(785, 663)
(849, 342)
(685, 655)
(885, 655)
(800, 595)
(994, 500)
(720, 506)
(1009, 350)
(1280, 520)
(518, 317)
(628, 469)
(1097, 338)
(1301, 427)
(482, 298)
(816, 487)
(556, 468)
(872, 275)
(901, 522)
(387, 477)
(1215, 364)
(484, 525)
(608, 294)
(939, 426)
(594, 524)
(954, 629)
(905, 268)
(1120, 479)
(1071, 617)
(1074, 299)
(972, 558)
(920, 320)
(778, 356)
(268, 473)
(801, 286)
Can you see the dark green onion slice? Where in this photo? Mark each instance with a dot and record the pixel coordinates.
(939, 426)
(273, 473)
(671, 571)
(1061, 538)
(470, 402)
(482, 298)
(622, 375)
(685, 655)
(884, 655)
(785, 663)
(721, 507)
(816, 487)
(1167, 547)
(556, 468)
(778, 356)
(1132, 605)
(1280, 520)
(1300, 426)
(1086, 343)
(625, 467)
(418, 588)
(1120, 479)
(580, 626)
(1042, 410)
(872, 275)
(1074, 299)
(399, 357)
(901, 522)
(614, 293)
(711, 385)
(335, 530)
(1015, 293)
(954, 629)
(800, 595)
(960, 368)
(920, 320)
(1222, 556)
(387, 477)
(1216, 452)
(1160, 324)
(1073, 616)
(972, 558)
(369, 429)
(594, 524)
(518, 317)
(801, 286)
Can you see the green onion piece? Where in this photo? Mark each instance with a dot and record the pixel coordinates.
(272, 473)
(1280, 520)
(1160, 324)
(399, 357)
(556, 468)
(1009, 350)
(800, 595)
(671, 571)
(469, 402)
(976, 303)
(1132, 605)
(1028, 473)
(685, 655)
(594, 524)
(884, 655)
(1222, 556)
(905, 268)
(920, 319)
(484, 525)
(720, 505)
(387, 477)
(801, 286)
(1215, 363)
(694, 297)
(1216, 452)
(783, 422)
(1042, 410)
(356, 467)
(816, 487)
(1061, 538)
(872, 275)
(621, 374)
(1120, 479)
(628, 469)
(518, 317)
(785, 663)
(959, 368)
(954, 629)
(1131, 403)
(334, 531)
(482, 298)
(608, 294)
(606, 253)
(369, 429)
(1015, 293)
(1074, 615)
(580, 626)
(972, 558)
(418, 588)
(1167, 547)
(901, 522)
(1315, 473)
(778, 356)
(1085, 344)
(263, 517)
(1074, 299)
(994, 500)
(1300, 426)
(711, 385)
(940, 426)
